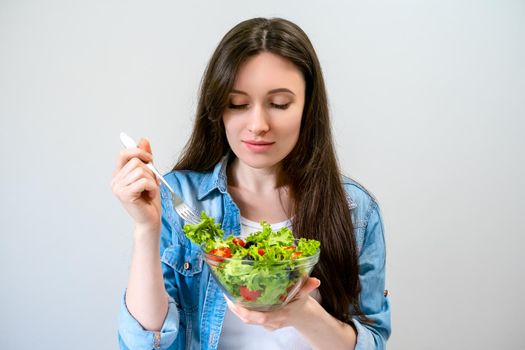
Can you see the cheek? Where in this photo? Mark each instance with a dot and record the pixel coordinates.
(229, 125)
(293, 124)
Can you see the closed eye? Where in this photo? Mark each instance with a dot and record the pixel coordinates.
(233, 106)
(278, 106)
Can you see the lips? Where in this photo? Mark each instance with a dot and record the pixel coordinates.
(258, 143)
(258, 146)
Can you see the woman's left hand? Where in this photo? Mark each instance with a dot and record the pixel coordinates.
(295, 311)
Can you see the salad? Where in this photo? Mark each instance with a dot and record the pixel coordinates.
(262, 271)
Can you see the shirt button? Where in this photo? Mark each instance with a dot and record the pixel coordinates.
(385, 292)
(187, 265)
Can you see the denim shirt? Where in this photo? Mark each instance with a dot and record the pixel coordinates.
(197, 307)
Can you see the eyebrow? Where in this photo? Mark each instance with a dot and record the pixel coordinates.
(274, 91)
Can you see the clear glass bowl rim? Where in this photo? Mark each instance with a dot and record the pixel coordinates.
(299, 261)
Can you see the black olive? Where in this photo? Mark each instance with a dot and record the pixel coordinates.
(246, 258)
(293, 274)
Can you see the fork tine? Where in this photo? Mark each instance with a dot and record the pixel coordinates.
(187, 213)
(184, 211)
(193, 214)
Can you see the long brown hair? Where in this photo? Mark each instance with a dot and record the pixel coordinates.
(320, 206)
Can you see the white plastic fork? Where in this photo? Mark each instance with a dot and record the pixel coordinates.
(189, 214)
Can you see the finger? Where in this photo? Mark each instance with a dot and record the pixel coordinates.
(135, 190)
(121, 173)
(269, 320)
(145, 145)
(310, 285)
(126, 155)
(233, 309)
(248, 316)
(129, 167)
(137, 173)
(155, 193)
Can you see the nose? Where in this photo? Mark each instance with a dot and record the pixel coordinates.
(258, 123)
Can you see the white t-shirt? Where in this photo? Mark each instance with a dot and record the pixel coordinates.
(237, 335)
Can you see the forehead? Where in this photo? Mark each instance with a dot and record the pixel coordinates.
(267, 71)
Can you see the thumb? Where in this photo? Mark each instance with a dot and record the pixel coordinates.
(144, 144)
(310, 285)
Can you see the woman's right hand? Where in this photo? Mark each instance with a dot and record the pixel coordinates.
(137, 187)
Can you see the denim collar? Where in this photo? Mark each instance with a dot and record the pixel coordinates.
(214, 180)
(217, 180)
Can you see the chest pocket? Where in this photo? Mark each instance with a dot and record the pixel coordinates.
(186, 261)
(183, 259)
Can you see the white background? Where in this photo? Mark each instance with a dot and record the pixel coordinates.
(428, 105)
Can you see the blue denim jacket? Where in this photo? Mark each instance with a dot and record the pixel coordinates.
(197, 306)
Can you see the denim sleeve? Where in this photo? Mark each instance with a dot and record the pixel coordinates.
(374, 304)
(132, 336)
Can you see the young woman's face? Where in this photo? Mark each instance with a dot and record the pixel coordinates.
(263, 118)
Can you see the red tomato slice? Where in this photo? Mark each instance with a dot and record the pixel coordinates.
(249, 295)
(220, 253)
(239, 242)
(295, 255)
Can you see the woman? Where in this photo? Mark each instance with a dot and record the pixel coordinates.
(261, 149)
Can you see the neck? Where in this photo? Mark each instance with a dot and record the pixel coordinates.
(253, 180)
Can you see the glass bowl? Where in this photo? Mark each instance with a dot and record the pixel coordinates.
(260, 285)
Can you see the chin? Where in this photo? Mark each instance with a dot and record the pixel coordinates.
(259, 164)
(259, 161)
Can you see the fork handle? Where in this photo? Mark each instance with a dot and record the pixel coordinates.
(129, 143)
